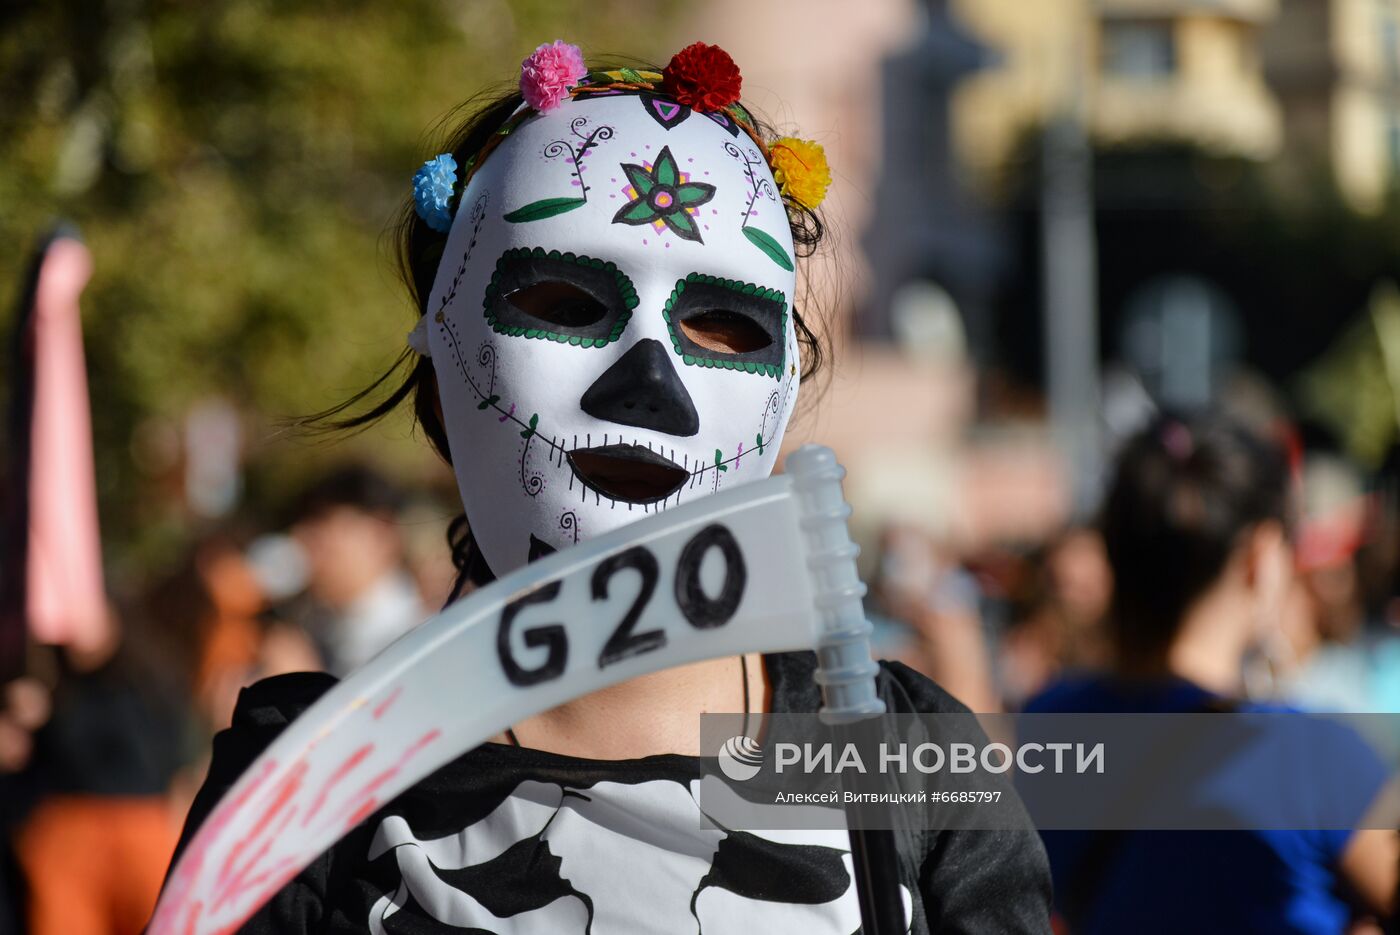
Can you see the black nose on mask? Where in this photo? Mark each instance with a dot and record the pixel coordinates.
(643, 389)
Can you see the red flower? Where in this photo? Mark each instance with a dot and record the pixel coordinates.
(703, 77)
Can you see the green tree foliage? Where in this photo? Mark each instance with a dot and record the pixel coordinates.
(1355, 385)
(234, 166)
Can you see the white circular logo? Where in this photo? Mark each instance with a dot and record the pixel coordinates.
(740, 758)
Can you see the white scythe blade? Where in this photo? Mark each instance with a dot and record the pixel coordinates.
(765, 567)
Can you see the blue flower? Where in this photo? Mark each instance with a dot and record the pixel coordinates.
(433, 188)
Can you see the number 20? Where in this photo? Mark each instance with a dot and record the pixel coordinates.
(699, 609)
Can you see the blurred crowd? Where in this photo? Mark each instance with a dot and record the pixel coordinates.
(1233, 565)
(997, 625)
(101, 750)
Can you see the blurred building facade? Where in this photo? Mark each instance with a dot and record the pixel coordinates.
(1181, 69)
(1316, 82)
(1334, 66)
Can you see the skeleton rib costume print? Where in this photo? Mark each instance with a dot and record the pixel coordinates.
(603, 851)
(575, 395)
(508, 840)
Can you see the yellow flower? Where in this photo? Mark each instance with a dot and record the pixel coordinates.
(800, 169)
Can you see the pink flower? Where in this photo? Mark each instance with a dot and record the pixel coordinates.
(548, 74)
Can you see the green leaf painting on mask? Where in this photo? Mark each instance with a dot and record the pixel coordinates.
(768, 245)
(544, 208)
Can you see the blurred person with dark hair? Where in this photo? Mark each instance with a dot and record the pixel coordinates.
(1340, 650)
(425, 522)
(211, 631)
(97, 824)
(25, 705)
(1059, 616)
(1196, 526)
(347, 524)
(1323, 659)
(113, 769)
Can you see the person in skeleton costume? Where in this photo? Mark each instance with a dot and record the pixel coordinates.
(604, 264)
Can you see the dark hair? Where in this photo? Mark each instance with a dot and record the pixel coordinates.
(419, 251)
(1184, 492)
(352, 485)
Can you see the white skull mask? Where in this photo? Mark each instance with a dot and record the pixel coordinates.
(611, 325)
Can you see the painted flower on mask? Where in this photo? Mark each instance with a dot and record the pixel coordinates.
(702, 77)
(548, 74)
(433, 188)
(800, 169)
(663, 197)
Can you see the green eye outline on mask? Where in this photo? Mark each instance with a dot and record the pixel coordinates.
(766, 308)
(521, 267)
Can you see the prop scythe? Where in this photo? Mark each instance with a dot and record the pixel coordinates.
(553, 631)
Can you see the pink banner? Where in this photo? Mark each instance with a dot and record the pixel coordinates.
(66, 602)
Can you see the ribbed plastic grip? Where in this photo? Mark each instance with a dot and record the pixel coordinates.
(845, 669)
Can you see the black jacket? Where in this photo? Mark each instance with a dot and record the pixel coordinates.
(561, 844)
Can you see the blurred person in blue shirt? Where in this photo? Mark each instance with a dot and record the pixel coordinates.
(1196, 525)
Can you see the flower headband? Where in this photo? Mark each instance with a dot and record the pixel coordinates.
(700, 76)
